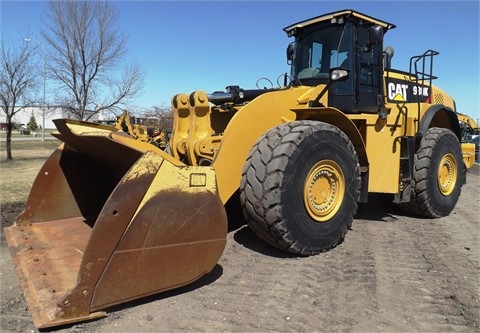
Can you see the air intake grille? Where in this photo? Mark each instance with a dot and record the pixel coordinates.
(438, 99)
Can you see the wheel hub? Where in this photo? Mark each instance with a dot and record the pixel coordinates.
(447, 174)
(324, 190)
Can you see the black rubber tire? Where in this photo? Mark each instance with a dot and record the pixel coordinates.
(273, 185)
(439, 148)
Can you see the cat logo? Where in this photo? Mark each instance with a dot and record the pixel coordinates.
(397, 92)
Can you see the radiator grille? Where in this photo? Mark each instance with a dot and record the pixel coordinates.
(438, 99)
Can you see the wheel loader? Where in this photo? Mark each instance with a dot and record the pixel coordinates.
(134, 127)
(468, 126)
(110, 218)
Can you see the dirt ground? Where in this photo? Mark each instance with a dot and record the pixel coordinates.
(393, 273)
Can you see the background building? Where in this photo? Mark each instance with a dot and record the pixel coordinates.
(22, 117)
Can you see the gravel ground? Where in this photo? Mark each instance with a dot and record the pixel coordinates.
(393, 273)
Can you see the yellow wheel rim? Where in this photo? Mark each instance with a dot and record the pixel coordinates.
(324, 190)
(447, 174)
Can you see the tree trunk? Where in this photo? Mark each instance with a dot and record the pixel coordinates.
(8, 140)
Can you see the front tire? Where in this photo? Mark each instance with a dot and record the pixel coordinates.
(437, 174)
(300, 187)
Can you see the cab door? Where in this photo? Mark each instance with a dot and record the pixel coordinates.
(368, 74)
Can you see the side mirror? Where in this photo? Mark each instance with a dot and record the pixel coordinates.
(375, 35)
(338, 74)
(387, 57)
(290, 51)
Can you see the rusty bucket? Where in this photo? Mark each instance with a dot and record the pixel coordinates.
(110, 219)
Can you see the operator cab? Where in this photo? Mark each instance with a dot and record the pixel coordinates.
(345, 39)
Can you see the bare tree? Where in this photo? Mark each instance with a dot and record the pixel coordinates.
(162, 116)
(87, 51)
(18, 79)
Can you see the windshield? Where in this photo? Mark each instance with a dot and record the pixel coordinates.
(319, 50)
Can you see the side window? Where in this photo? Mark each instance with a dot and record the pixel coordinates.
(342, 56)
(313, 66)
(368, 61)
(316, 55)
(366, 77)
(340, 59)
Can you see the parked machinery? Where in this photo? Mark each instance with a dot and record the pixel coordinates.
(111, 218)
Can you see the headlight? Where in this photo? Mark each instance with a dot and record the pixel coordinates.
(338, 74)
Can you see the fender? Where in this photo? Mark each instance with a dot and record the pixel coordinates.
(247, 125)
(440, 115)
(337, 118)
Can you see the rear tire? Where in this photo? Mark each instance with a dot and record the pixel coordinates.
(437, 174)
(300, 187)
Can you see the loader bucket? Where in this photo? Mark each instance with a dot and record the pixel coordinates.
(110, 219)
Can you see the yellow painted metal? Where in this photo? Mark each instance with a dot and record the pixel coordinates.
(412, 110)
(144, 147)
(78, 127)
(383, 151)
(106, 210)
(447, 174)
(329, 17)
(468, 151)
(181, 124)
(350, 126)
(376, 140)
(245, 128)
(468, 120)
(324, 190)
(137, 131)
(200, 125)
(194, 138)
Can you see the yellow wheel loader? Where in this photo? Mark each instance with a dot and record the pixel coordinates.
(137, 130)
(111, 218)
(468, 125)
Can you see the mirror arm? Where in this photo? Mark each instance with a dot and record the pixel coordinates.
(315, 102)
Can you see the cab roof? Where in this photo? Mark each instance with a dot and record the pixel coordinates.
(347, 13)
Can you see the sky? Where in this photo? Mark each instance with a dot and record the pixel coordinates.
(185, 46)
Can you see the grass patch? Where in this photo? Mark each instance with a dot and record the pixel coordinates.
(28, 145)
(17, 176)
